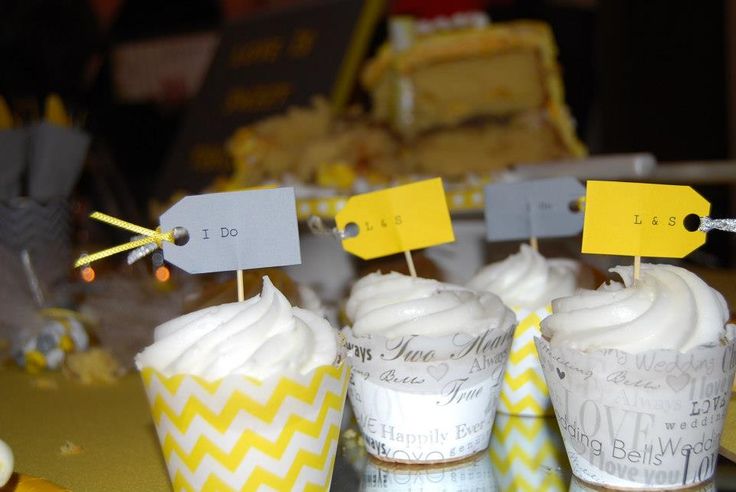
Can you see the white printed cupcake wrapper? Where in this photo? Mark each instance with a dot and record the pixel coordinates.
(239, 434)
(528, 455)
(426, 399)
(577, 485)
(524, 390)
(646, 421)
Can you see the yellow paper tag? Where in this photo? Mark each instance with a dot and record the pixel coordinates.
(397, 219)
(638, 219)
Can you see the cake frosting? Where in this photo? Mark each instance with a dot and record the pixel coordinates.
(394, 305)
(668, 307)
(527, 279)
(259, 337)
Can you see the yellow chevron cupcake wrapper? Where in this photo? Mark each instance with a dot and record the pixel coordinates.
(240, 434)
(524, 390)
(527, 454)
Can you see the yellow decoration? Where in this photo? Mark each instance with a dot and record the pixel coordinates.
(151, 237)
(638, 219)
(336, 175)
(55, 112)
(66, 343)
(528, 454)
(524, 390)
(27, 483)
(240, 434)
(397, 219)
(35, 361)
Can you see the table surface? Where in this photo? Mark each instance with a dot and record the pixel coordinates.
(119, 448)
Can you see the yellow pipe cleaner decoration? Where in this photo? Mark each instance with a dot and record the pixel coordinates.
(152, 236)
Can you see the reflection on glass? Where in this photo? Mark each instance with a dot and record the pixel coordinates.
(528, 454)
(474, 473)
(577, 485)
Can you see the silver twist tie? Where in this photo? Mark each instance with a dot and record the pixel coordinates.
(707, 224)
(318, 227)
(147, 249)
(141, 251)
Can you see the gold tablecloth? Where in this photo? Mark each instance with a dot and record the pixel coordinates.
(112, 424)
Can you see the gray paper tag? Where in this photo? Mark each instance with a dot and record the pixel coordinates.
(234, 231)
(538, 208)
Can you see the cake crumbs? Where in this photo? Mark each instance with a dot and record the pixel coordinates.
(94, 366)
(45, 383)
(70, 449)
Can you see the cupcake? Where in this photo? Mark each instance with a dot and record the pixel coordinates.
(640, 375)
(246, 394)
(427, 361)
(527, 282)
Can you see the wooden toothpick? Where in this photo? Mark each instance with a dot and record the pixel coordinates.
(410, 263)
(241, 287)
(637, 267)
(534, 243)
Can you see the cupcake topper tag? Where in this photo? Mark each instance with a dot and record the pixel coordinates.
(641, 219)
(221, 232)
(396, 219)
(533, 209)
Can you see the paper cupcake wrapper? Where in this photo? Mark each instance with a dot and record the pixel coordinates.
(650, 420)
(528, 455)
(415, 428)
(577, 485)
(13, 144)
(240, 434)
(44, 230)
(474, 473)
(524, 390)
(420, 399)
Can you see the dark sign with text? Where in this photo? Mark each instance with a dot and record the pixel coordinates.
(263, 65)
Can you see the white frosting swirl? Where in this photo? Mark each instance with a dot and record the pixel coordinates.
(259, 337)
(668, 307)
(394, 305)
(527, 279)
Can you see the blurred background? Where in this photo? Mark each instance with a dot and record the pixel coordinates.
(653, 76)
